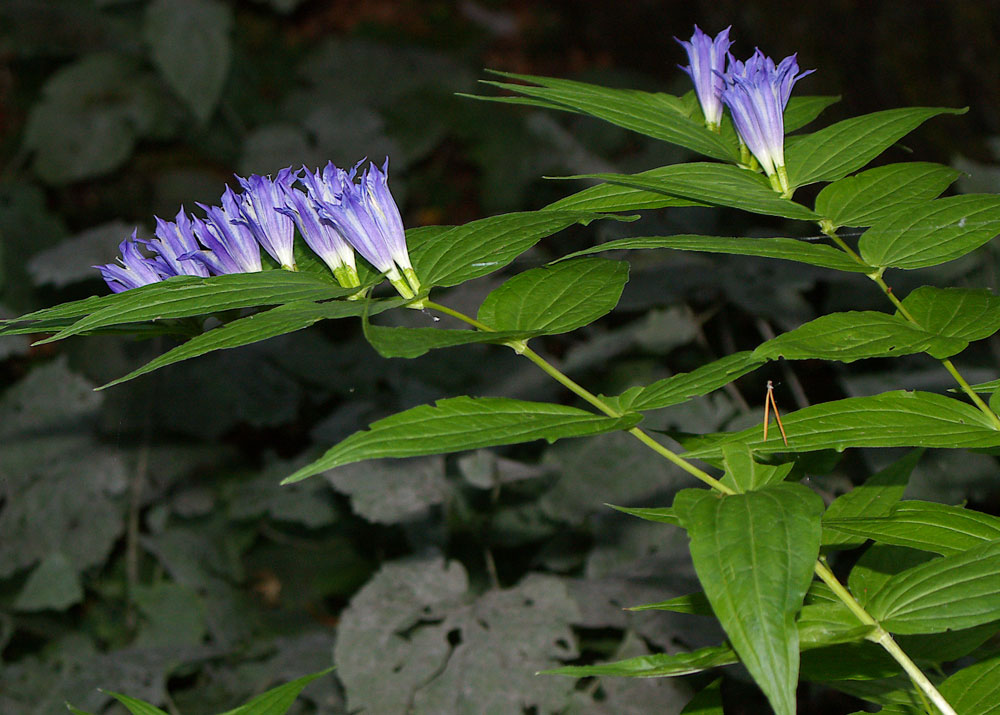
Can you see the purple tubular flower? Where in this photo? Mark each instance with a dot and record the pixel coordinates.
(320, 235)
(231, 246)
(383, 209)
(174, 240)
(366, 215)
(132, 270)
(756, 93)
(259, 212)
(707, 56)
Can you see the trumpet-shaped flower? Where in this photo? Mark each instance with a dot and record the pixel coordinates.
(707, 56)
(756, 93)
(230, 247)
(321, 237)
(259, 212)
(365, 214)
(133, 269)
(173, 244)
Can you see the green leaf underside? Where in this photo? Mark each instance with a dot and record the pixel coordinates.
(185, 296)
(679, 388)
(395, 342)
(695, 604)
(865, 198)
(136, 706)
(835, 151)
(963, 313)
(891, 419)
(946, 593)
(754, 555)
(461, 253)
(931, 232)
(707, 701)
(556, 299)
(278, 700)
(876, 497)
(975, 690)
(463, 423)
(744, 473)
(922, 525)
(817, 626)
(855, 335)
(715, 184)
(661, 116)
(663, 515)
(788, 249)
(614, 197)
(278, 321)
(984, 387)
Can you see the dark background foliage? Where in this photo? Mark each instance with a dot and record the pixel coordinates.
(145, 545)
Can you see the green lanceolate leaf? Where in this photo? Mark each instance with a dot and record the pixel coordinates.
(865, 198)
(947, 593)
(708, 700)
(800, 111)
(985, 388)
(745, 474)
(260, 326)
(136, 706)
(556, 299)
(612, 197)
(855, 335)
(185, 296)
(788, 249)
(932, 232)
(876, 497)
(658, 115)
(694, 603)
(278, 700)
(834, 152)
(413, 342)
(663, 665)
(926, 526)
(462, 423)
(680, 388)
(817, 626)
(461, 253)
(974, 690)
(963, 313)
(754, 555)
(891, 419)
(54, 319)
(713, 184)
(663, 515)
(878, 564)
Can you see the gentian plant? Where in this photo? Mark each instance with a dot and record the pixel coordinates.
(903, 617)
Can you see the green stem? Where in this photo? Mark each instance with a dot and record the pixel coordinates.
(640, 435)
(878, 635)
(830, 231)
(883, 638)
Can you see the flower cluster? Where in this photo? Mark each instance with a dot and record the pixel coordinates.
(756, 93)
(339, 212)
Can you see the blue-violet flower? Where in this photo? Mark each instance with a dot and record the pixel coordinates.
(173, 243)
(365, 214)
(707, 56)
(230, 246)
(320, 235)
(756, 93)
(132, 270)
(275, 231)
